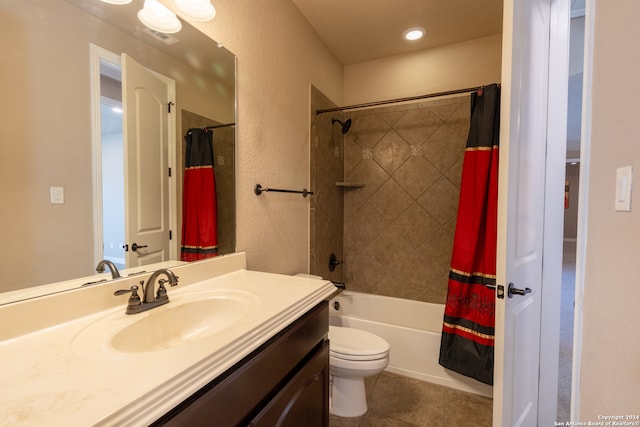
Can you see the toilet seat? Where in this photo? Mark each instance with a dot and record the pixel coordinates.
(355, 344)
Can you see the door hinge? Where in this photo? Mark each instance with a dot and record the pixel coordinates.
(169, 106)
(169, 172)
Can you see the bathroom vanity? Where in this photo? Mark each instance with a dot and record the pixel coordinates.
(285, 382)
(232, 347)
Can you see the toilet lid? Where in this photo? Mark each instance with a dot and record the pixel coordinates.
(356, 344)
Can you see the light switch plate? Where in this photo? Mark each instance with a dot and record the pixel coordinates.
(57, 195)
(623, 189)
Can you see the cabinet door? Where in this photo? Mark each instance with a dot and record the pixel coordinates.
(304, 401)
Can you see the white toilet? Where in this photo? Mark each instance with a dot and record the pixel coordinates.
(354, 354)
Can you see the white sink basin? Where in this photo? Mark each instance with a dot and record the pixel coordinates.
(186, 318)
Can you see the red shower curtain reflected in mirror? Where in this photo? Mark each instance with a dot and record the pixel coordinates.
(199, 208)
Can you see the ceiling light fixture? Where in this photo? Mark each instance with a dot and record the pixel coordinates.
(157, 17)
(414, 33)
(117, 1)
(196, 10)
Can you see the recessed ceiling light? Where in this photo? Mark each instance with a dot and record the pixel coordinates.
(117, 1)
(196, 10)
(157, 17)
(414, 33)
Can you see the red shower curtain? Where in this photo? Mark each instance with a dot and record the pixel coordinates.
(469, 318)
(199, 210)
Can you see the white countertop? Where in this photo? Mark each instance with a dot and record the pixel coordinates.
(48, 379)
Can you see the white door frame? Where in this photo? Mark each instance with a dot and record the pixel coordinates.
(583, 202)
(553, 219)
(96, 54)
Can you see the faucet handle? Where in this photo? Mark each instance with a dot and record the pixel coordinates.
(134, 299)
(162, 291)
(133, 290)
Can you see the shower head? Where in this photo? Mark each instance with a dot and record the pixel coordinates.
(345, 126)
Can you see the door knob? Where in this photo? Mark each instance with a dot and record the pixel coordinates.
(512, 290)
(136, 246)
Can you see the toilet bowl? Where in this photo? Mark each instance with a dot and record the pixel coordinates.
(353, 355)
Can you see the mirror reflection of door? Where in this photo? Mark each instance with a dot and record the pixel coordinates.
(149, 104)
(132, 156)
(112, 163)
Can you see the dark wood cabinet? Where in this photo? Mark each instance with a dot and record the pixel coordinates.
(303, 400)
(285, 382)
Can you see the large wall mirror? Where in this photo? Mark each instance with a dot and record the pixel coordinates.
(51, 52)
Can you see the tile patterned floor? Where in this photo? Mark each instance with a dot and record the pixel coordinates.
(398, 401)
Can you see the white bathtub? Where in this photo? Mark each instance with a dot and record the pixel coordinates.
(412, 328)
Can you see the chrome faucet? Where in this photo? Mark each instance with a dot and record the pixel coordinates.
(112, 267)
(150, 297)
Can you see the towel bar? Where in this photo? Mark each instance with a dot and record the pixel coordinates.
(258, 189)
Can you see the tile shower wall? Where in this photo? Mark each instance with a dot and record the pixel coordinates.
(327, 203)
(399, 226)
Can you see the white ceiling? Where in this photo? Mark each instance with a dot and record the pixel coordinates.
(363, 30)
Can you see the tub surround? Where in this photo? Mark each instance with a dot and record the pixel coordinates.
(399, 227)
(48, 378)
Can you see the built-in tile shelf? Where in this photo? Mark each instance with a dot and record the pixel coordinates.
(350, 184)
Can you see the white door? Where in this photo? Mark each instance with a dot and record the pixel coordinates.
(146, 101)
(521, 210)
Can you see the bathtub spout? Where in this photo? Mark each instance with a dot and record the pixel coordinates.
(340, 286)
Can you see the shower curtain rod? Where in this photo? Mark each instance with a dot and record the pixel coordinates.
(393, 101)
(214, 126)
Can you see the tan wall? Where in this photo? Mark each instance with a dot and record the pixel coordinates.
(455, 66)
(279, 58)
(610, 366)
